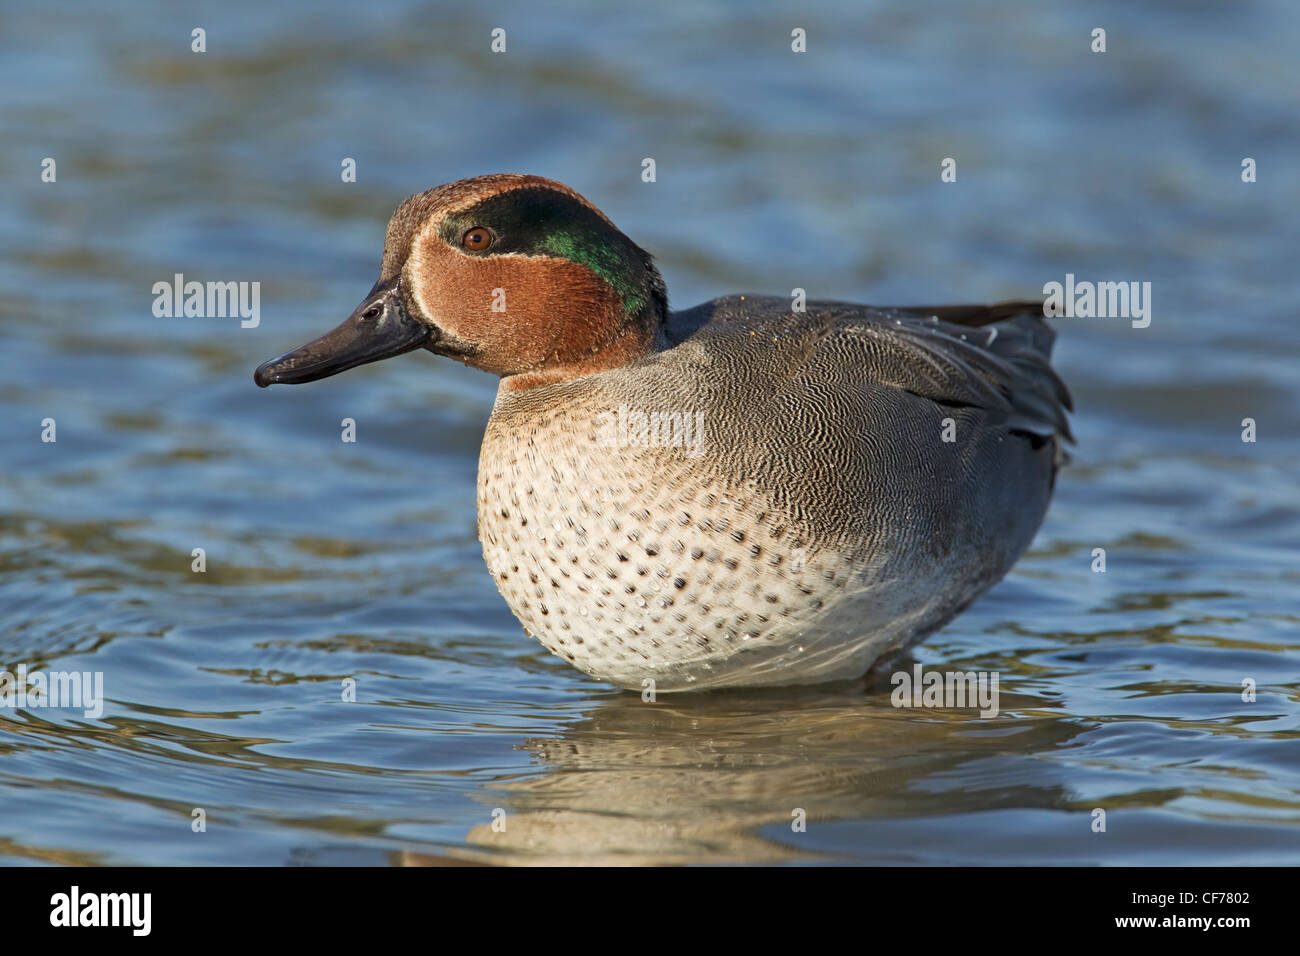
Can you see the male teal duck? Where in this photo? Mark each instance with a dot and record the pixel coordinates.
(737, 494)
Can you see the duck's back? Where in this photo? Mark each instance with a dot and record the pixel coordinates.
(773, 497)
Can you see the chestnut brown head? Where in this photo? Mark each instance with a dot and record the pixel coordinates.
(517, 275)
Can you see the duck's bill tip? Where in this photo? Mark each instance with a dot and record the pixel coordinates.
(288, 370)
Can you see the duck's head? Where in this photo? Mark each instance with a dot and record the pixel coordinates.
(517, 275)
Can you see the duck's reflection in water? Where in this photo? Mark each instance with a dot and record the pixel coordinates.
(723, 777)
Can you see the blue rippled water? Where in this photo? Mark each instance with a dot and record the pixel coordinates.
(325, 560)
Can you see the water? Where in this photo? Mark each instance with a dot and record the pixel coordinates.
(325, 560)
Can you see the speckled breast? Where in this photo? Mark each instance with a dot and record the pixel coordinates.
(625, 547)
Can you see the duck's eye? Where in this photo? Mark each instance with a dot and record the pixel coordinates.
(476, 239)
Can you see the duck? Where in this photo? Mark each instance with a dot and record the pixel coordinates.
(754, 491)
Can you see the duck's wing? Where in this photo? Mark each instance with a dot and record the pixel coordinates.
(996, 357)
(1006, 346)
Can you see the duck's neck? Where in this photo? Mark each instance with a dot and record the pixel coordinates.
(631, 338)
